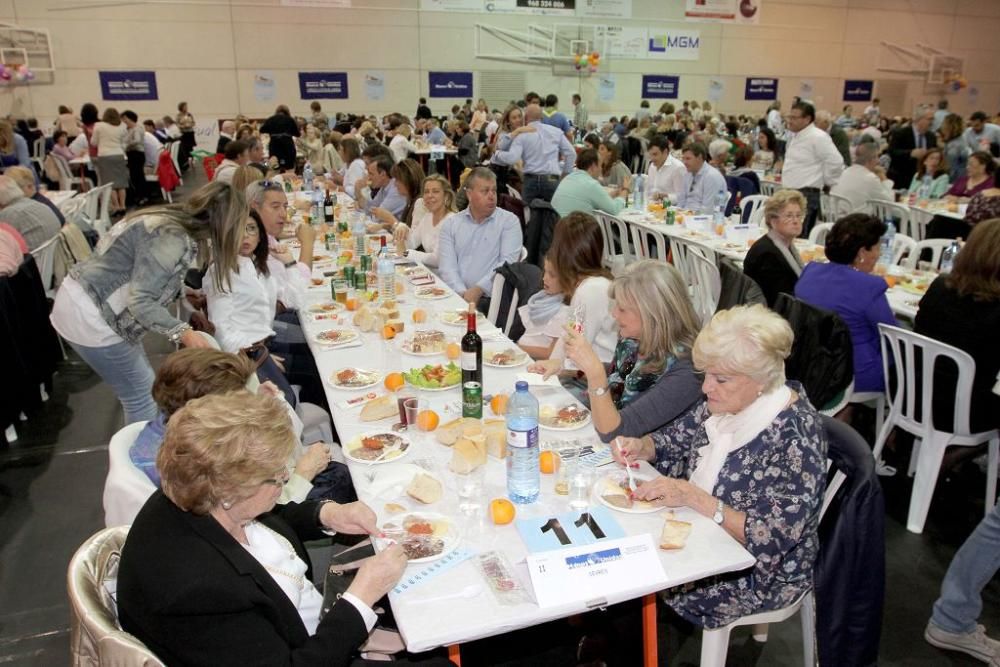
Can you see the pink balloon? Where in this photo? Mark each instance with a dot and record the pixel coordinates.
(5, 75)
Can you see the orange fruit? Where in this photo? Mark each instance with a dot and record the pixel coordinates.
(400, 288)
(394, 381)
(419, 315)
(428, 420)
(548, 462)
(388, 332)
(499, 405)
(453, 351)
(502, 511)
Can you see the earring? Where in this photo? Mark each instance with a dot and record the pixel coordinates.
(226, 505)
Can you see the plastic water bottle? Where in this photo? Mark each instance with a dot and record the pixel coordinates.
(637, 194)
(317, 206)
(522, 446)
(719, 211)
(386, 271)
(358, 233)
(948, 257)
(925, 187)
(307, 178)
(885, 254)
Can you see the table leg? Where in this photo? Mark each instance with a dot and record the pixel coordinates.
(649, 638)
(455, 655)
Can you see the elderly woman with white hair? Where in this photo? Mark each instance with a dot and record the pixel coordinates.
(751, 456)
(718, 151)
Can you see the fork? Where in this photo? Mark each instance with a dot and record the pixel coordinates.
(628, 467)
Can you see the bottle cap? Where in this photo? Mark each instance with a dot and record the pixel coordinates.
(521, 385)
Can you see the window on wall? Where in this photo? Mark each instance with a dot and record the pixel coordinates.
(499, 88)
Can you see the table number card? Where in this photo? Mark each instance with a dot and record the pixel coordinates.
(437, 153)
(569, 529)
(592, 573)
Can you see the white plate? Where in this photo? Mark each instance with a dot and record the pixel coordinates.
(323, 285)
(326, 307)
(457, 318)
(374, 376)
(522, 357)
(408, 344)
(345, 336)
(608, 482)
(449, 535)
(431, 293)
(569, 427)
(403, 447)
(387, 483)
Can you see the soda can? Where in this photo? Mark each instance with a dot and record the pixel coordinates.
(671, 217)
(331, 240)
(360, 282)
(349, 274)
(342, 226)
(472, 400)
(366, 263)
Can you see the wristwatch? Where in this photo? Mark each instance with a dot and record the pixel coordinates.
(290, 264)
(319, 510)
(719, 517)
(600, 391)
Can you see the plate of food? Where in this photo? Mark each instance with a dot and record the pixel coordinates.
(612, 490)
(434, 377)
(459, 317)
(377, 447)
(424, 536)
(326, 307)
(319, 283)
(355, 378)
(431, 292)
(568, 417)
(507, 357)
(336, 336)
(425, 343)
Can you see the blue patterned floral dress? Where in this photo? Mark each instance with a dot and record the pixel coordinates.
(777, 479)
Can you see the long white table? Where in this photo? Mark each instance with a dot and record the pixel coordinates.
(709, 549)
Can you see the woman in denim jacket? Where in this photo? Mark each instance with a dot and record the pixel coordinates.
(107, 303)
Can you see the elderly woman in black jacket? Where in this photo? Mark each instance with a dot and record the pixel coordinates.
(212, 573)
(773, 262)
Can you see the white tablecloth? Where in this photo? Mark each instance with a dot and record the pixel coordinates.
(424, 626)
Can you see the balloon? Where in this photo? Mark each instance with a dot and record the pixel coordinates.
(577, 66)
(19, 76)
(593, 68)
(30, 75)
(5, 75)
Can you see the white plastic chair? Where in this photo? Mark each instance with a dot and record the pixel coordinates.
(629, 250)
(95, 208)
(45, 259)
(902, 247)
(919, 218)
(612, 261)
(936, 246)
(833, 207)
(768, 188)
(753, 209)
(496, 296)
(513, 192)
(647, 241)
(884, 210)
(66, 178)
(681, 250)
(901, 347)
(706, 283)
(126, 488)
(819, 231)
(175, 148)
(38, 153)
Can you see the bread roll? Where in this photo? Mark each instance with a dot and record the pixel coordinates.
(382, 407)
(674, 534)
(425, 488)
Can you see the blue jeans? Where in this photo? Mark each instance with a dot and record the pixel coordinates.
(125, 367)
(975, 563)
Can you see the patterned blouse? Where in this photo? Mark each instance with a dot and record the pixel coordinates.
(628, 377)
(777, 479)
(982, 208)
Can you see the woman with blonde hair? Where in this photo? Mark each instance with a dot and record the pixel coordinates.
(421, 237)
(215, 572)
(332, 162)
(13, 147)
(109, 139)
(311, 145)
(651, 379)
(401, 146)
(773, 261)
(108, 302)
(751, 456)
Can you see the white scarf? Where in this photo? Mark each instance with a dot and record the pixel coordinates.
(788, 251)
(727, 433)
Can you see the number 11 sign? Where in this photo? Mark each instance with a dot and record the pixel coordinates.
(569, 529)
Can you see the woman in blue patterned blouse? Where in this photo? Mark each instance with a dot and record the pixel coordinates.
(752, 456)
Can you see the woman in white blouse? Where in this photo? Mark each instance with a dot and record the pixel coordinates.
(401, 146)
(354, 166)
(439, 202)
(244, 314)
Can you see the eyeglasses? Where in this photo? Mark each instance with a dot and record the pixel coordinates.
(280, 480)
(251, 229)
(792, 217)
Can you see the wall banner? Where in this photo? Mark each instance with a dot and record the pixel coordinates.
(128, 86)
(858, 90)
(761, 89)
(450, 84)
(723, 11)
(323, 85)
(662, 87)
(672, 44)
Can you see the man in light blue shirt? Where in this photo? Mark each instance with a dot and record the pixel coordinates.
(552, 116)
(540, 147)
(980, 135)
(702, 183)
(388, 197)
(581, 191)
(474, 242)
(435, 135)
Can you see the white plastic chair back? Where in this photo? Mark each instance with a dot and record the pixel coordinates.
(38, 152)
(44, 259)
(96, 637)
(901, 348)
(126, 488)
(918, 223)
(753, 208)
(936, 248)
(629, 251)
(513, 193)
(496, 296)
(819, 231)
(92, 205)
(649, 243)
(885, 210)
(66, 178)
(837, 206)
(175, 148)
(610, 259)
(523, 255)
(902, 247)
(681, 250)
(104, 209)
(768, 188)
(706, 283)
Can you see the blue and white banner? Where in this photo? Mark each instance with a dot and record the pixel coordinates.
(264, 86)
(450, 84)
(606, 87)
(374, 85)
(127, 86)
(323, 85)
(761, 89)
(655, 85)
(858, 90)
(673, 44)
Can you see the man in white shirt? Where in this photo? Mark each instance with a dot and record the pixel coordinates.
(980, 135)
(872, 112)
(865, 179)
(237, 155)
(151, 147)
(702, 182)
(665, 175)
(774, 120)
(812, 162)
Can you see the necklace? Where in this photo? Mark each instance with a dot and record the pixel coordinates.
(298, 579)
